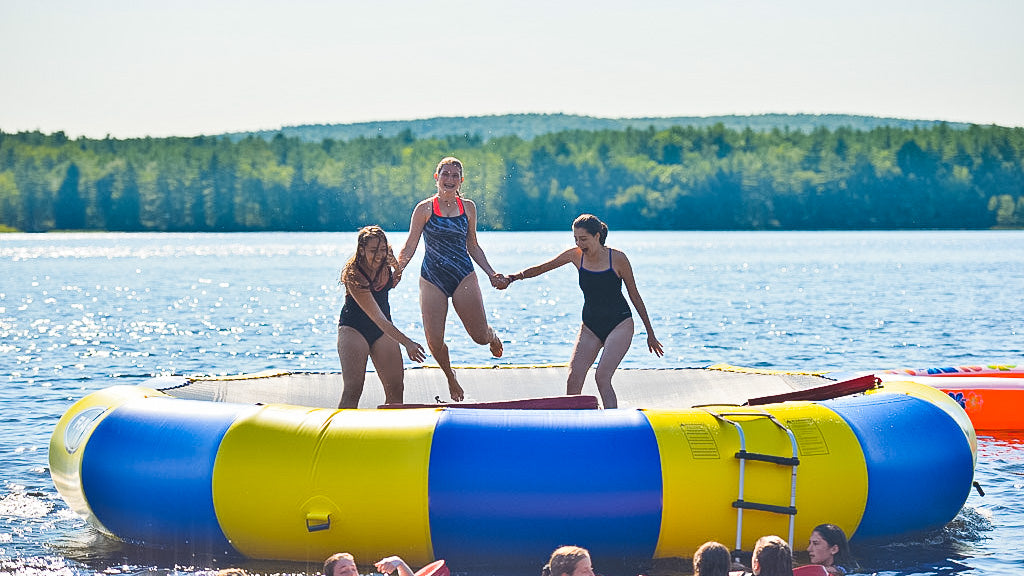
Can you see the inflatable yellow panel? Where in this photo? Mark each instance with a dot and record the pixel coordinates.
(340, 480)
(701, 474)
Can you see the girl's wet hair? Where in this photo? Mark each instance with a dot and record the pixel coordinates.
(563, 560)
(350, 272)
(834, 536)
(593, 225)
(333, 559)
(711, 559)
(774, 558)
(449, 161)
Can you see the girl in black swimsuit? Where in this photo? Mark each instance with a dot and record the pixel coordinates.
(364, 326)
(607, 321)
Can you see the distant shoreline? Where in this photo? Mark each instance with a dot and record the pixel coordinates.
(676, 178)
(529, 126)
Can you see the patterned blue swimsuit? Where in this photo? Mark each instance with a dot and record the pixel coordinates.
(446, 262)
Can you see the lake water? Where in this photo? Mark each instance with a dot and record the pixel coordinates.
(80, 312)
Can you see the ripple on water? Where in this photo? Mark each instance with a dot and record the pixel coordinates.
(37, 566)
(25, 505)
(925, 553)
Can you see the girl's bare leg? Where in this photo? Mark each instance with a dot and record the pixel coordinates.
(584, 352)
(352, 352)
(387, 359)
(615, 347)
(434, 307)
(469, 305)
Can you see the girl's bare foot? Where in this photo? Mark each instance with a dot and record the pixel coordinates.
(455, 390)
(496, 346)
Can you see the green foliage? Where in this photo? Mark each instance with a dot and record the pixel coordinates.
(676, 177)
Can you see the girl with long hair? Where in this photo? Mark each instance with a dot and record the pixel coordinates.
(365, 329)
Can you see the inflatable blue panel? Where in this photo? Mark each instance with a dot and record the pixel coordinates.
(919, 463)
(511, 484)
(147, 470)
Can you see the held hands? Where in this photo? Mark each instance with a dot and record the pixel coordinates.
(654, 346)
(500, 281)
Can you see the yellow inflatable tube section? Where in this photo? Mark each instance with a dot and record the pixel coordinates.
(700, 473)
(339, 479)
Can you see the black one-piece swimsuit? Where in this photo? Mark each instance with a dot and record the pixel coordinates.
(604, 307)
(354, 316)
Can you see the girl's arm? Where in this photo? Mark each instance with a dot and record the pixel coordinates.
(476, 252)
(420, 215)
(472, 244)
(556, 262)
(393, 563)
(365, 300)
(625, 271)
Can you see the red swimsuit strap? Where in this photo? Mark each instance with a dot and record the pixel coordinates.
(437, 206)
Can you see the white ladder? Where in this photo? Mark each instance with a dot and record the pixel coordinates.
(743, 456)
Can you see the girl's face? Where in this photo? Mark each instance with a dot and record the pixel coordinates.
(375, 251)
(583, 568)
(586, 241)
(449, 178)
(345, 567)
(819, 550)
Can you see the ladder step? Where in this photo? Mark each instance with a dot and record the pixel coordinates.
(788, 510)
(783, 460)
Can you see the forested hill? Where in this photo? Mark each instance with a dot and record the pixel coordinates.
(678, 178)
(529, 126)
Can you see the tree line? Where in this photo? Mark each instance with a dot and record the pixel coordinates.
(679, 178)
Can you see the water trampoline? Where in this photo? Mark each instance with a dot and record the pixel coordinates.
(262, 465)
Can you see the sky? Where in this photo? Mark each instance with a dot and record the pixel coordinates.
(133, 68)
